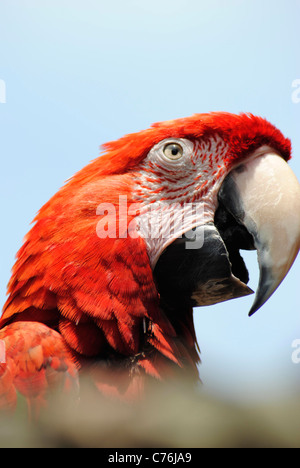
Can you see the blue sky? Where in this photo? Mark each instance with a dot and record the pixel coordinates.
(80, 73)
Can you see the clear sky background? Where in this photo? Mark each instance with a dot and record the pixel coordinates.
(80, 73)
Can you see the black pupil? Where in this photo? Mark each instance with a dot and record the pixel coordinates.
(174, 151)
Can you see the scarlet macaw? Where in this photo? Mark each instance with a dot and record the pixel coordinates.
(94, 287)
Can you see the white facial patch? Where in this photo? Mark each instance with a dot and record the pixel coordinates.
(178, 191)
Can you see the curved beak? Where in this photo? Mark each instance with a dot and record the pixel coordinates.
(263, 195)
(259, 209)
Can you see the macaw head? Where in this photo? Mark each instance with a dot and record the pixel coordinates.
(119, 256)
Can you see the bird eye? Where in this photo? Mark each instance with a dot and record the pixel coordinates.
(173, 151)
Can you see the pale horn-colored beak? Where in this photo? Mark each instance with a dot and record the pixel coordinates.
(263, 194)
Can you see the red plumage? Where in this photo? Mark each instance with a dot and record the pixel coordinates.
(75, 298)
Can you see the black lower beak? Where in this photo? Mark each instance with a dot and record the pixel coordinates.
(256, 212)
(201, 274)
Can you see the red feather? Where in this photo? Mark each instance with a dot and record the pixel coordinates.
(75, 297)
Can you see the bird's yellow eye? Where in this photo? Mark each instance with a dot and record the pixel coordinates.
(173, 151)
